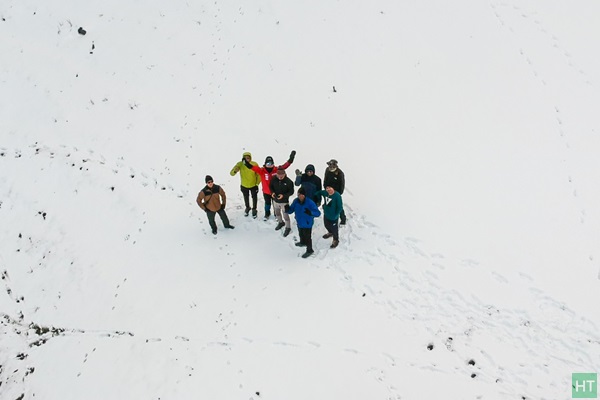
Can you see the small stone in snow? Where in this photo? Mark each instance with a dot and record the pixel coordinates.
(81, 31)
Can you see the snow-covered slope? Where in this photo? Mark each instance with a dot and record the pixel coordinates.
(469, 138)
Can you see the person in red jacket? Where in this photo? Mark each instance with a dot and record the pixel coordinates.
(267, 172)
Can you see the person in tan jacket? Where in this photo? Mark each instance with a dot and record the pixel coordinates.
(212, 200)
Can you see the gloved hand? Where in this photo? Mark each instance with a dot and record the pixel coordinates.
(292, 156)
(298, 172)
(286, 208)
(307, 212)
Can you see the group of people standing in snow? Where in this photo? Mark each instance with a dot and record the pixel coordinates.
(277, 188)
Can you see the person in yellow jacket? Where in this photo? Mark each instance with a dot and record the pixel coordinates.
(249, 182)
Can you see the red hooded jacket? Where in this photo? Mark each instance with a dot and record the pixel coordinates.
(265, 175)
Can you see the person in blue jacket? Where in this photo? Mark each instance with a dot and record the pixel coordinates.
(305, 210)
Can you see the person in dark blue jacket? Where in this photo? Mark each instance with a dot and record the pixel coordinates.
(310, 182)
(305, 210)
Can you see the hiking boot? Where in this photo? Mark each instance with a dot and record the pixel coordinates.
(308, 253)
(300, 244)
(267, 215)
(279, 226)
(327, 235)
(334, 244)
(287, 231)
(230, 227)
(214, 231)
(246, 211)
(254, 213)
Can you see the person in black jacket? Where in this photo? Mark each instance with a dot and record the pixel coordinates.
(282, 188)
(310, 182)
(334, 177)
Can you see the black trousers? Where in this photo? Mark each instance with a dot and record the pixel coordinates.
(211, 218)
(306, 237)
(332, 227)
(268, 200)
(246, 192)
(343, 215)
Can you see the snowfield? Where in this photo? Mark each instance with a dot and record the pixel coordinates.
(469, 136)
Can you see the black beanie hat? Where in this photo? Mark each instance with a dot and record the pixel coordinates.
(302, 191)
(268, 160)
(208, 178)
(309, 167)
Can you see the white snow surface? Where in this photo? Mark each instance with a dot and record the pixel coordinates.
(469, 134)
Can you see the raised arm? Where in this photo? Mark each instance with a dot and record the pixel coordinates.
(254, 168)
(298, 179)
(289, 161)
(236, 168)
